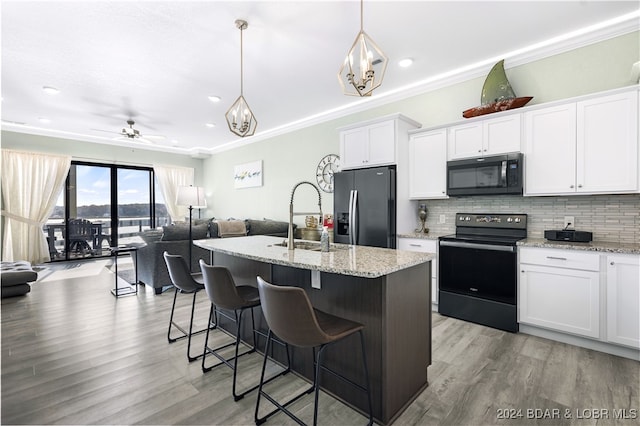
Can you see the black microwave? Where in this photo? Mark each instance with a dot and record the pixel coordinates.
(501, 174)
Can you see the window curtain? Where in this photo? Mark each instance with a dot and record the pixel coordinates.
(31, 184)
(170, 178)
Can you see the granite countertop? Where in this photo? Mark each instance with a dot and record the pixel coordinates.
(599, 246)
(359, 261)
(423, 236)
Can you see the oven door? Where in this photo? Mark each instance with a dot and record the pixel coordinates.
(488, 271)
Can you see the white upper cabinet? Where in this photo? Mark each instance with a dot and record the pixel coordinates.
(549, 150)
(428, 165)
(607, 148)
(585, 147)
(485, 137)
(368, 146)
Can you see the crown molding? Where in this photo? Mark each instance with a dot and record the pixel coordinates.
(574, 40)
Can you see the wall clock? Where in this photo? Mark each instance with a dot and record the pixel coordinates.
(325, 170)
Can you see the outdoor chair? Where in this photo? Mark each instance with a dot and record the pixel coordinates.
(80, 233)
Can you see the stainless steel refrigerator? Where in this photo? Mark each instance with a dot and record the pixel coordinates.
(364, 207)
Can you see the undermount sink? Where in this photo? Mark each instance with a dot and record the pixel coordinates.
(307, 245)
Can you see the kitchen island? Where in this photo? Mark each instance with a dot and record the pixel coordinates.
(389, 291)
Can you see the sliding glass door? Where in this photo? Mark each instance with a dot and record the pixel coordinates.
(103, 206)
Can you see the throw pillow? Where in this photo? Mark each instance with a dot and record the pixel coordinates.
(151, 236)
(181, 232)
(268, 227)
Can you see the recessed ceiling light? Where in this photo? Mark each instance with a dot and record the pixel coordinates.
(215, 99)
(50, 90)
(44, 120)
(210, 125)
(406, 62)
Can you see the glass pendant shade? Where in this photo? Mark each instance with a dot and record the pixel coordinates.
(363, 68)
(240, 118)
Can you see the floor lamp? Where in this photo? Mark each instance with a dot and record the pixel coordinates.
(192, 196)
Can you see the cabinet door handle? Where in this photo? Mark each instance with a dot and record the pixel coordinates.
(571, 186)
(580, 186)
(479, 150)
(556, 258)
(612, 263)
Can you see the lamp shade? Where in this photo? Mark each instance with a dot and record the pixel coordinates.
(191, 196)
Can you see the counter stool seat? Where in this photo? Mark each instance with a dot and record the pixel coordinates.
(225, 295)
(292, 318)
(184, 282)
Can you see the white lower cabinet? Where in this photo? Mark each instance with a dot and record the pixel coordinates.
(425, 246)
(560, 290)
(623, 299)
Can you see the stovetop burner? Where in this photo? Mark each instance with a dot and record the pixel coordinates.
(489, 228)
(488, 239)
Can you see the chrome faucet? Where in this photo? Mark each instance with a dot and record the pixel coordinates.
(290, 244)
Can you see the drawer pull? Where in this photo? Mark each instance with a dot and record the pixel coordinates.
(556, 258)
(415, 245)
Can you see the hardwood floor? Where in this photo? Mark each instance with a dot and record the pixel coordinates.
(74, 354)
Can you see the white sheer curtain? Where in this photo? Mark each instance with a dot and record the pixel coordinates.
(170, 178)
(31, 184)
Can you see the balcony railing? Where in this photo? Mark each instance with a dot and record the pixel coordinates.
(128, 229)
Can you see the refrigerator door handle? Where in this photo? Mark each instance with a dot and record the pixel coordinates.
(351, 217)
(354, 227)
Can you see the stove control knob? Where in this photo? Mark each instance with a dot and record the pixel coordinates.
(461, 218)
(467, 218)
(509, 219)
(517, 220)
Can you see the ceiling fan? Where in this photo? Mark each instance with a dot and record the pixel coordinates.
(130, 133)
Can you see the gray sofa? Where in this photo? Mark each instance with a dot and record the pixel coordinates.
(174, 239)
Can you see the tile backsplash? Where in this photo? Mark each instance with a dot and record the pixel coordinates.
(614, 218)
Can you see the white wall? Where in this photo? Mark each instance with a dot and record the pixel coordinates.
(290, 158)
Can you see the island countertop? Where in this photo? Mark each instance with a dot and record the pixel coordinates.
(359, 261)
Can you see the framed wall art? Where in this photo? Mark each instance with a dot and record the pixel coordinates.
(248, 175)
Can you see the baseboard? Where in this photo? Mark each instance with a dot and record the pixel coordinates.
(582, 342)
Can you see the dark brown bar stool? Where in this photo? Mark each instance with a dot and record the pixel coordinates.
(293, 320)
(184, 282)
(224, 294)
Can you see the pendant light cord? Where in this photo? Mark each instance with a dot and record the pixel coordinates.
(241, 65)
(361, 15)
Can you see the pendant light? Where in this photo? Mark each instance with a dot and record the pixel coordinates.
(364, 66)
(239, 116)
